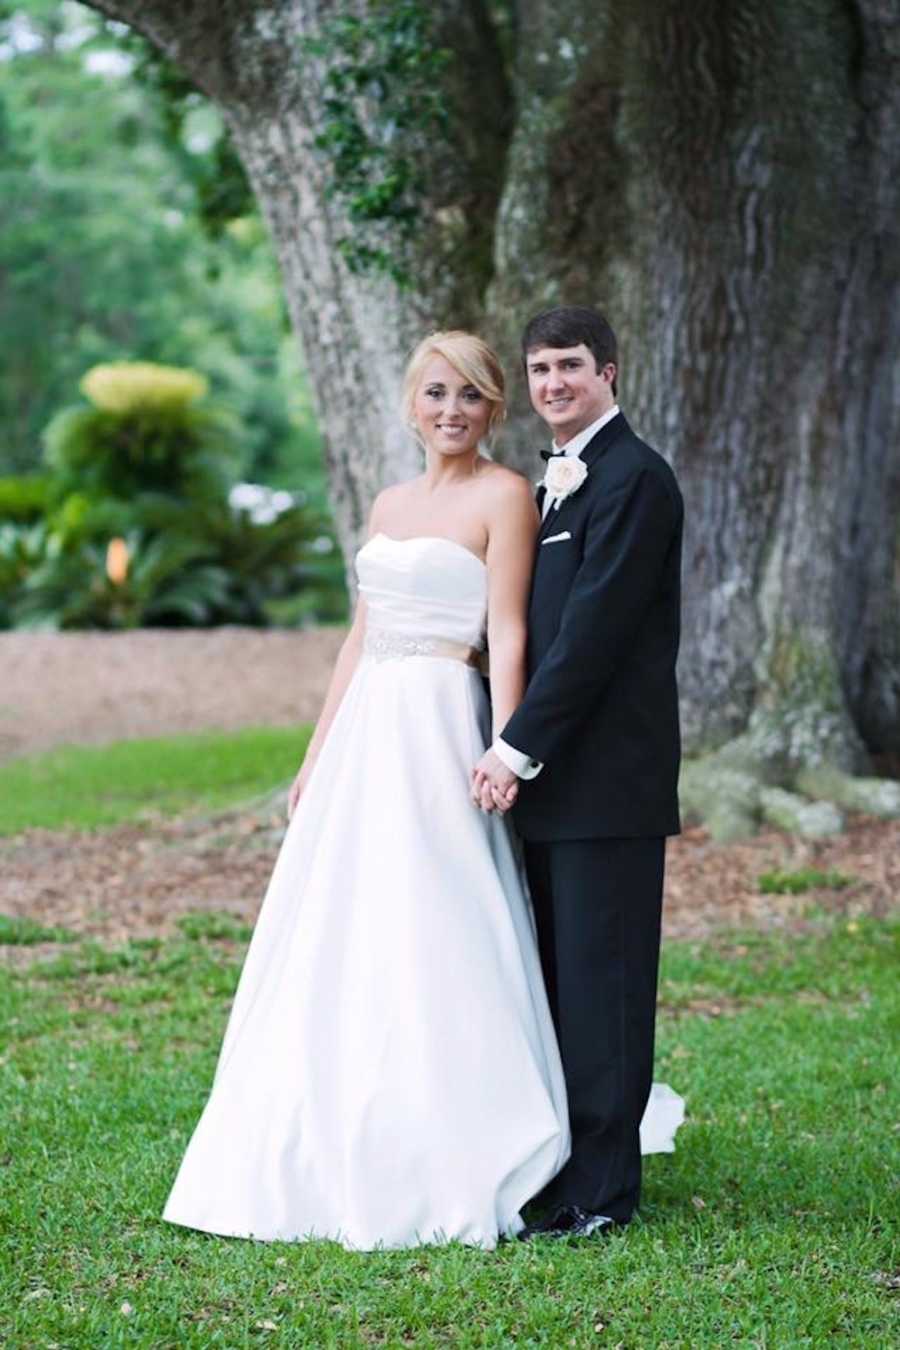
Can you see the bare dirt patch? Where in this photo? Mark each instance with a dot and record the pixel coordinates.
(92, 688)
(712, 886)
(137, 880)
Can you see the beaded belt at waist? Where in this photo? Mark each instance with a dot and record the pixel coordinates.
(384, 644)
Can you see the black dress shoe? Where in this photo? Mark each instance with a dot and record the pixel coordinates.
(569, 1221)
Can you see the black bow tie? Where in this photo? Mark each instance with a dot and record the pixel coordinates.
(552, 454)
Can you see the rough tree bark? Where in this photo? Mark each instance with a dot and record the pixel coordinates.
(724, 180)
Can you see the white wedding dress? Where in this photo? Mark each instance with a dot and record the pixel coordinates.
(389, 1075)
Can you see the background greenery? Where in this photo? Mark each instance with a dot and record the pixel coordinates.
(109, 247)
(128, 233)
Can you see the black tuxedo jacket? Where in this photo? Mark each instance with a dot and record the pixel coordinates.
(601, 706)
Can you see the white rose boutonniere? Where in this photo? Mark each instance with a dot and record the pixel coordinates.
(565, 475)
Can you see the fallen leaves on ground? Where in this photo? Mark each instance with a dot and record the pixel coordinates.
(136, 880)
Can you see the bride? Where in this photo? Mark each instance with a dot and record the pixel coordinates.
(389, 1074)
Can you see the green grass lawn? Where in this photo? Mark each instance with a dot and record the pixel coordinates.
(770, 1227)
(89, 786)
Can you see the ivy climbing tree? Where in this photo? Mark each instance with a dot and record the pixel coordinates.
(724, 180)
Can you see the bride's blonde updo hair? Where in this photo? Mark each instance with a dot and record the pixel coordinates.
(472, 358)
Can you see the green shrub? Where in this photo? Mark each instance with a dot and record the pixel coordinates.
(145, 431)
(170, 582)
(181, 451)
(22, 549)
(187, 565)
(266, 561)
(138, 527)
(24, 498)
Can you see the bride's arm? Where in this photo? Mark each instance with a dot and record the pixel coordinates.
(510, 558)
(344, 668)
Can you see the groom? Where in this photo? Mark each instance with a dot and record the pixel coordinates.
(591, 754)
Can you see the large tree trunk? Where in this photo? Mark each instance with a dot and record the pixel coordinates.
(356, 331)
(722, 179)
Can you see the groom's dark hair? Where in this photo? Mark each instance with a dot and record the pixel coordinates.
(568, 326)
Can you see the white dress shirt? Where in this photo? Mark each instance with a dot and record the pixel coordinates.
(522, 765)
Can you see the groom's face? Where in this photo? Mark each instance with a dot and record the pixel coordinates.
(567, 389)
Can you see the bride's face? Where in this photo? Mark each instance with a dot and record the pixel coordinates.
(452, 416)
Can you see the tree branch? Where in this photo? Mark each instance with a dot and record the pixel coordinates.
(233, 50)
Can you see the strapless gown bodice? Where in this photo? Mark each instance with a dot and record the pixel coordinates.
(424, 587)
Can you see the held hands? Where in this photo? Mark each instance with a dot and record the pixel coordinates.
(494, 786)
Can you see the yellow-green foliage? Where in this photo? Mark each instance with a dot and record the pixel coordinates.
(125, 386)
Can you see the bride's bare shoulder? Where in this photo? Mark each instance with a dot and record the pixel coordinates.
(507, 490)
(389, 503)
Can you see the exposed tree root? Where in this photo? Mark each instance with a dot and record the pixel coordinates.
(762, 777)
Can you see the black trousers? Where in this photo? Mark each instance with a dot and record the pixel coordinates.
(598, 905)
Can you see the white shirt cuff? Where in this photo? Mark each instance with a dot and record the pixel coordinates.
(522, 765)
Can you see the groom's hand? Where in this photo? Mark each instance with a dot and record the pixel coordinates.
(494, 786)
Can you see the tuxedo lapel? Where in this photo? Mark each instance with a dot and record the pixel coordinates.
(604, 439)
(550, 518)
(547, 519)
